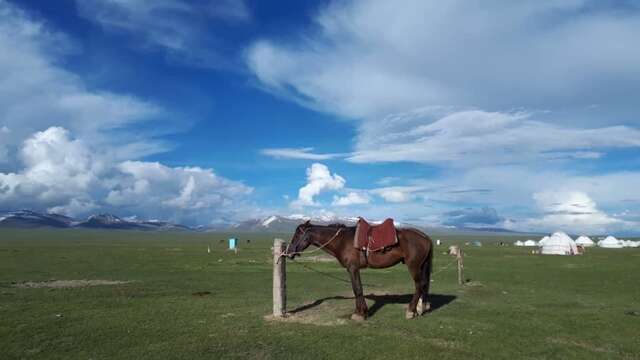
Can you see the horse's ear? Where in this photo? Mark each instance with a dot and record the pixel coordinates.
(307, 223)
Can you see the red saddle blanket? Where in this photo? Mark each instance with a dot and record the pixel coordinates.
(375, 237)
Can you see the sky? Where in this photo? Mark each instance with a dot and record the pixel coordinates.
(498, 114)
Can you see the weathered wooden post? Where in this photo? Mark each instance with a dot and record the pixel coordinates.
(279, 279)
(460, 258)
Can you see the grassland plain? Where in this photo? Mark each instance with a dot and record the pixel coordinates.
(184, 303)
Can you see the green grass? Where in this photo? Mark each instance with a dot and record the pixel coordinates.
(517, 305)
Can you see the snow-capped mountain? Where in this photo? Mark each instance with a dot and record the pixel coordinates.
(32, 219)
(110, 221)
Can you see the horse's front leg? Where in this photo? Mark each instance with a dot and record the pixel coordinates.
(361, 304)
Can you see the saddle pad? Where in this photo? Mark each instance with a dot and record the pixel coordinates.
(375, 237)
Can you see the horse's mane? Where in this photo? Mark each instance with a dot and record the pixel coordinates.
(336, 225)
(340, 225)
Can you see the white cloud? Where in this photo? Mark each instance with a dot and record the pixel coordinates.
(63, 174)
(319, 179)
(352, 198)
(145, 185)
(473, 138)
(37, 93)
(572, 211)
(298, 153)
(398, 194)
(56, 170)
(182, 28)
(371, 58)
(75, 207)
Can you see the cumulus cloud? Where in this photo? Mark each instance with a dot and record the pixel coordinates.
(184, 29)
(319, 179)
(351, 198)
(298, 153)
(144, 185)
(572, 211)
(56, 170)
(63, 174)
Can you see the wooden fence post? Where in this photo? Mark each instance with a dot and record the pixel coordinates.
(279, 279)
(460, 258)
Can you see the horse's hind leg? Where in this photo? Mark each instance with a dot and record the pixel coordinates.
(361, 304)
(416, 274)
(423, 302)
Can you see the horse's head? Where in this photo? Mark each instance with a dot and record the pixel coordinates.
(301, 240)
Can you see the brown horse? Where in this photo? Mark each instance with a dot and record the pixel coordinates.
(414, 248)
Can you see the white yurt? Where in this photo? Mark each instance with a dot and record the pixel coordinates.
(635, 244)
(610, 242)
(559, 244)
(585, 241)
(543, 240)
(530, 243)
(629, 243)
(519, 243)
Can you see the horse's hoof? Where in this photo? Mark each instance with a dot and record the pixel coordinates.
(409, 315)
(422, 308)
(357, 317)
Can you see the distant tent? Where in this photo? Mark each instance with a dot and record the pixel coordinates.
(476, 243)
(635, 244)
(519, 243)
(543, 240)
(530, 243)
(585, 241)
(610, 242)
(630, 243)
(559, 244)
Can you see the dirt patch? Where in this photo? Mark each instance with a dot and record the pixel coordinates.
(311, 319)
(201, 293)
(67, 284)
(324, 312)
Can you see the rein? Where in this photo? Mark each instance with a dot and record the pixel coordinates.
(287, 253)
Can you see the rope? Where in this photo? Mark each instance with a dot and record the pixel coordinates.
(332, 276)
(349, 282)
(445, 267)
(285, 253)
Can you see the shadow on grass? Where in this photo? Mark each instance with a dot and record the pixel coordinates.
(437, 301)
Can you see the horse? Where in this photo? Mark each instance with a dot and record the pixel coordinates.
(414, 248)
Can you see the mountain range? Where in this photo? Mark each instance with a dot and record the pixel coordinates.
(270, 224)
(32, 219)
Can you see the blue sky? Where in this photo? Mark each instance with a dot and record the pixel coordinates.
(517, 115)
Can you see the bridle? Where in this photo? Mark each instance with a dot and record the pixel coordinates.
(287, 253)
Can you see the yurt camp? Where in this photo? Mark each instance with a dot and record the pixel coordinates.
(530, 243)
(543, 240)
(519, 243)
(585, 241)
(610, 242)
(559, 244)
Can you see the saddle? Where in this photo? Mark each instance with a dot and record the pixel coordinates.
(375, 237)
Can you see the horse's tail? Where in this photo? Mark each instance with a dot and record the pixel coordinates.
(427, 267)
